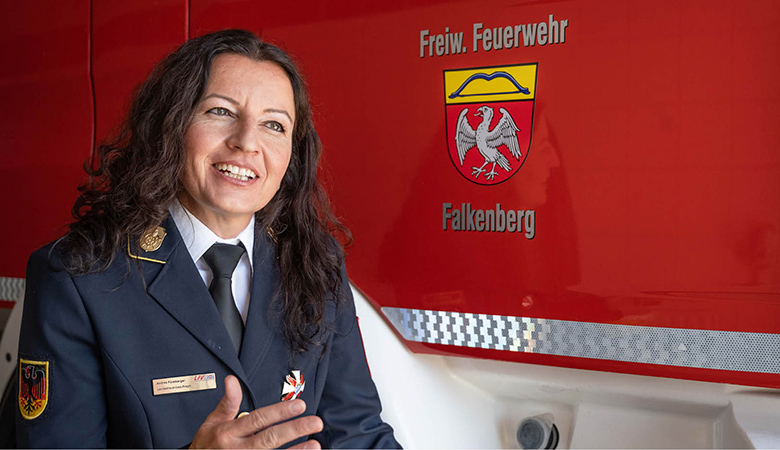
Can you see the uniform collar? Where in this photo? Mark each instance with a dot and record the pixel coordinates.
(198, 238)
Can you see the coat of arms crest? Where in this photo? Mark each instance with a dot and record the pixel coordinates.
(489, 120)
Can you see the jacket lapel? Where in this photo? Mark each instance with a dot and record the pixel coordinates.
(179, 289)
(262, 324)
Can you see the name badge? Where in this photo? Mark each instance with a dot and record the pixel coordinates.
(186, 383)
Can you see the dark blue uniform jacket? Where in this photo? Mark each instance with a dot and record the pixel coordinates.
(106, 337)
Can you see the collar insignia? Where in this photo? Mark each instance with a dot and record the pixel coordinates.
(152, 239)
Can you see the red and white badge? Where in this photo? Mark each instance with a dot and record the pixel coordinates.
(293, 385)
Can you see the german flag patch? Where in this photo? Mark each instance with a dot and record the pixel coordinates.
(33, 387)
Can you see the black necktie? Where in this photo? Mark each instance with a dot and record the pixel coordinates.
(222, 259)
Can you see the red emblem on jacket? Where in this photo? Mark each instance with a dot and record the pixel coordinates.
(293, 385)
(33, 387)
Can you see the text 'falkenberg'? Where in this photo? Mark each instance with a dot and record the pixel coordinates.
(495, 220)
(547, 32)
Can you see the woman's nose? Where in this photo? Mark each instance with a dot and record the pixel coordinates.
(244, 136)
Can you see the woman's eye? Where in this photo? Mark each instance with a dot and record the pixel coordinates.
(219, 111)
(276, 126)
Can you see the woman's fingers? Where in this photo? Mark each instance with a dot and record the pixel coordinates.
(273, 437)
(267, 427)
(227, 409)
(310, 444)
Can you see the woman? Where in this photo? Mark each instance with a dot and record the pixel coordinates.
(137, 329)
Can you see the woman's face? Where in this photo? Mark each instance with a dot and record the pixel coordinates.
(238, 143)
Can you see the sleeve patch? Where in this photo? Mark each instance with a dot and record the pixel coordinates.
(33, 387)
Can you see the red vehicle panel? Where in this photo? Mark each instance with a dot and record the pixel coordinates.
(639, 230)
(47, 123)
(651, 172)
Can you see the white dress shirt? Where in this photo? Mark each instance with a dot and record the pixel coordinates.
(199, 238)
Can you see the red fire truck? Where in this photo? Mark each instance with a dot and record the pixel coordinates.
(565, 211)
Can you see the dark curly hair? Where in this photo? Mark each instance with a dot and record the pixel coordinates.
(138, 176)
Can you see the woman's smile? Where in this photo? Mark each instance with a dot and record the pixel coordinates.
(235, 172)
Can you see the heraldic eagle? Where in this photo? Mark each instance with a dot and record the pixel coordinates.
(487, 141)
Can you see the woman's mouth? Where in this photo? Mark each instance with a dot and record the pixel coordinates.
(235, 172)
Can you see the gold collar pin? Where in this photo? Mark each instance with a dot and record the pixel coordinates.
(152, 239)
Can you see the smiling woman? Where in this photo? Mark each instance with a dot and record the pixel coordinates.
(238, 143)
(199, 283)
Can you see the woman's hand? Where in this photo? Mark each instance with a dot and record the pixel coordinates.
(259, 429)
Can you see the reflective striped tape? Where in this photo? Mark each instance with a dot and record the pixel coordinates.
(707, 349)
(11, 288)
